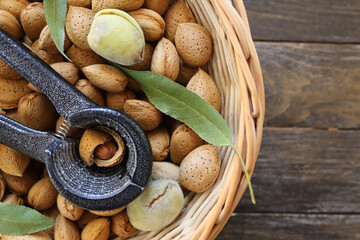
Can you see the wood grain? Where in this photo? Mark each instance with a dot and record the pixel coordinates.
(305, 20)
(262, 226)
(307, 171)
(311, 85)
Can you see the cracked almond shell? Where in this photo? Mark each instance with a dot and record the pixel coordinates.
(92, 138)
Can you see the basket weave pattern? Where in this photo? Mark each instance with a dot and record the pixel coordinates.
(236, 70)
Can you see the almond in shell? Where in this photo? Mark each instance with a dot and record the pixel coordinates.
(37, 111)
(46, 43)
(42, 195)
(7, 72)
(98, 229)
(11, 92)
(65, 229)
(182, 142)
(10, 24)
(82, 58)
(77, 25)
(194, 44)
(200, 168)
(20, 185)
(89, 90)
(14, 6)
(146, 62)
(176, 14)
(68, 209)
(45, 56)
(125, 5)
(159, 141)
(13, 162)
(13, 199)
(144, 113)
(165, 59)
(117, 100)
(67, 70)
(121, 226)
(203, 85)
(152, 24)
(106, 77)
(33, 20)
(165, 170)
(159, 6)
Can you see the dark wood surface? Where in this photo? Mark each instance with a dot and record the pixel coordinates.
(307, 171)
(311, 85)
(307, 178)
(280, 226)
(305, 20)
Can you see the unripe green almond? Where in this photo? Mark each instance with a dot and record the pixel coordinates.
(156, 207)
(116, 36)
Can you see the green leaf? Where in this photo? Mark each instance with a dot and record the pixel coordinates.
(178, 102)
(21, 220)
(55, 14)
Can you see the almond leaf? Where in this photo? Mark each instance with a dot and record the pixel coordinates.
(55, 14)
(20, 220)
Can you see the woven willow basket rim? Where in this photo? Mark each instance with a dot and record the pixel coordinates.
(236, 70)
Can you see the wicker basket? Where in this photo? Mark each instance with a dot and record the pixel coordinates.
(236, 70)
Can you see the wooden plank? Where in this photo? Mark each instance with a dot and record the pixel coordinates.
(305, 20)
(260, 226)
(311, 85)
(312, 171)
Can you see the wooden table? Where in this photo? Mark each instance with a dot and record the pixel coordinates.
(307, 177)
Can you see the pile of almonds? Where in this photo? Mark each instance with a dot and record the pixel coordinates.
(176, 47)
